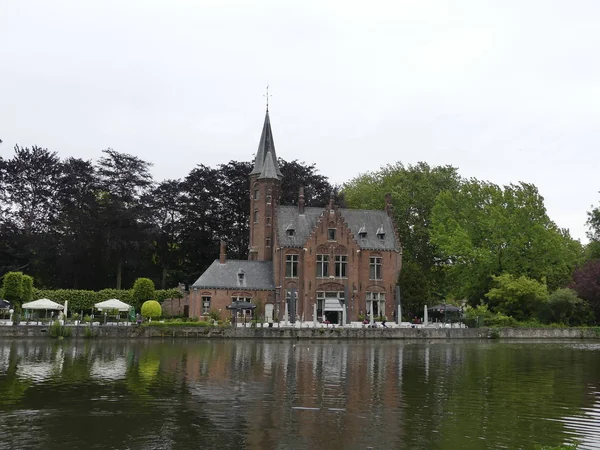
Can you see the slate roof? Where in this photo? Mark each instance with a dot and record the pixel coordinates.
(303, 224)
(370, 221)
(258, 275)
(269, 169)
(266, 145)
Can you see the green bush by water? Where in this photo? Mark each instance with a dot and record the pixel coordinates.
(58, 331)
(88, 333)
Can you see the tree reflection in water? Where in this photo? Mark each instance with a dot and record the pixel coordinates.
(335, 394)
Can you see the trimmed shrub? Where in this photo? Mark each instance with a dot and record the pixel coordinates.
(13, 289)
(151, 309)
(143, 290)
(27, 288)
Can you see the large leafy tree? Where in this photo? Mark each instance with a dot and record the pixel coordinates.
(317, 189)
(199, 220)
(234, 207)
(518, 297)
(29, 183)
(414, 192)
(586, 282)
(165, 210)
(485, 230)
(593, 222)
(77, 225)
(123, 180)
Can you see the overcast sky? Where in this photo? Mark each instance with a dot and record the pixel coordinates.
(506, 91)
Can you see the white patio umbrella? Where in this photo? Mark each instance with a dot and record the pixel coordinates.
(44, 304)
(113, 303)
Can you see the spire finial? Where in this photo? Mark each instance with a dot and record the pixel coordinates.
(267, 96)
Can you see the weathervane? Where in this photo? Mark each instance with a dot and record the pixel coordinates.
(267, 97)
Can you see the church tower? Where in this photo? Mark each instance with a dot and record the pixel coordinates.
(265, 188)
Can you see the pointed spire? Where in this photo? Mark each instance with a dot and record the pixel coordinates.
(266, 146)
(269, 170)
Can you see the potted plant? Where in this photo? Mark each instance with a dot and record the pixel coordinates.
(75, 317)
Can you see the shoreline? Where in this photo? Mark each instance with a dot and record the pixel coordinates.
(182, 332)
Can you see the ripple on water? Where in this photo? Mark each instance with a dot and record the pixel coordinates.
(585, 428)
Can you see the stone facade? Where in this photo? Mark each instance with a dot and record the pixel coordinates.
(338, 262)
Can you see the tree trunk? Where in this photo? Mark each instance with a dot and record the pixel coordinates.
(119, 272)
(164, 278)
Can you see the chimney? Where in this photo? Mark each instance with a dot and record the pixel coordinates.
(331, 201)
(388, 204)
(301, 200)
(223, 254)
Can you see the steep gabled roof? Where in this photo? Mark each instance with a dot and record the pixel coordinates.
(257, 275)
(378, 226)
(266, 146)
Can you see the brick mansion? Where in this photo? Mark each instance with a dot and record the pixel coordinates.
(335, 261)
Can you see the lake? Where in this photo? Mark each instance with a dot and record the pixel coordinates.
(181, 394)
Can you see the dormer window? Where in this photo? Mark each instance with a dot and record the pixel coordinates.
(331, 234)
(290, 230)
(362, 233)
(240, 275)
(381, 233)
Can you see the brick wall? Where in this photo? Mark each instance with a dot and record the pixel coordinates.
(176, 306)
(356, 283)
(221, 298)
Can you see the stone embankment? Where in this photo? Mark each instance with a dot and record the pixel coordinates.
(137, 332)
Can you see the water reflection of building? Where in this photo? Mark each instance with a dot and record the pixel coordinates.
(111, 369)
(311, 387)
(39, 362)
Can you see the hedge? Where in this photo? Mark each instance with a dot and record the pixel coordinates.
(84, 300)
